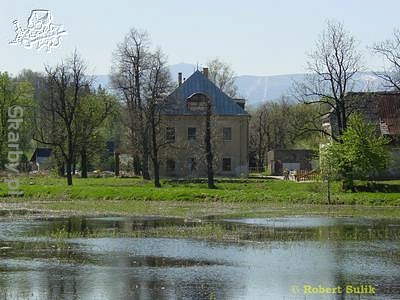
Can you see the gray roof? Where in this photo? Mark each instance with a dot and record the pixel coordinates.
(222, 104)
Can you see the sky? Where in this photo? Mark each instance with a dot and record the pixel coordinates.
(256, 37)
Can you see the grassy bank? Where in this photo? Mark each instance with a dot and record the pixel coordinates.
(241, 196)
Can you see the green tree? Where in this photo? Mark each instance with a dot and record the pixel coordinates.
(92, 114)
(361, 155)
(13, 92)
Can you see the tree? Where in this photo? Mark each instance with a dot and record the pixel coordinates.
(279, 125)
(14, 92)
(333, 65)
(141, 76)
(259, 134)
(92, 113)
(361, 154)
(390, 50)
(131, 64)
(158, 86)
(208, 146)
(223, 76)
(58, 123)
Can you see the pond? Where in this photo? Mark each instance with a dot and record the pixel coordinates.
(171, 258)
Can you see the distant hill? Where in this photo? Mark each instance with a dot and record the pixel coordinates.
(257, 89)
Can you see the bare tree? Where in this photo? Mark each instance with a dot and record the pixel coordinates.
(270, 128)
(259, 134)
(131, 63)
(280, 125)
(333, 65)
(390, 50)
(208, 146)
(157, 87)
(58, 123)
(223, 76)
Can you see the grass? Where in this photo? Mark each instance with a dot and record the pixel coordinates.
(221, 233)
(134, 196)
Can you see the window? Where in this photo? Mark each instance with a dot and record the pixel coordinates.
(191, 133)
(227, 133)
(197, 102)
(170, 134)
(170, 165)
(191, 163)
(226, 164)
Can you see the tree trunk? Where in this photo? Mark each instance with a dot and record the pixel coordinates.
(142, 128)
(116, 156)
(157, 174)
(145, 165)
(209, 154)
(260, 160)
(84, 164)
(329, 190)
(61, 168)
(156, 163)
(145, 149)
(348, 181)
(339, 119)
(70, 157)
(69, 171)
(136, 165)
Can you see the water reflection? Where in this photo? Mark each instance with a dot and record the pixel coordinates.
(274, 259)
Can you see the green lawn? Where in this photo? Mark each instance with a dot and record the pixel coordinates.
(240, 196)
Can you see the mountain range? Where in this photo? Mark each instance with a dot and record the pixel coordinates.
(257, 89)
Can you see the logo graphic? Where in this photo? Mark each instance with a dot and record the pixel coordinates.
(40, 32)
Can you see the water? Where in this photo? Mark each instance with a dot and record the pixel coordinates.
(270, 258)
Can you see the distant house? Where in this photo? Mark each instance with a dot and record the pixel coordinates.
(290, 159)
(41, 158)
(183, 119)
(381, 109)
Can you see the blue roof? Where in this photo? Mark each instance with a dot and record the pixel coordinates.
(222, 104)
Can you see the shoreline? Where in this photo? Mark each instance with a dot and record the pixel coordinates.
(188, 209)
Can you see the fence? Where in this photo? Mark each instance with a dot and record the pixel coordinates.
(303, 175)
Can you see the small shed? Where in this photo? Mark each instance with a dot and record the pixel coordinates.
(290, 159)
(41, 156)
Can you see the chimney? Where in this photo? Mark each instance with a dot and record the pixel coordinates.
(180, 78)
(205, 72)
